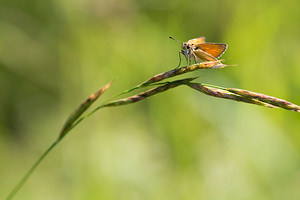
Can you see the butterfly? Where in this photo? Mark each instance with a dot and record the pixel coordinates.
(199, 50)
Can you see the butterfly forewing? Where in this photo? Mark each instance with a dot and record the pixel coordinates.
(213, 49)
(196, 41)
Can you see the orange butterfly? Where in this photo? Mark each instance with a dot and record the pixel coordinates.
(199, 50)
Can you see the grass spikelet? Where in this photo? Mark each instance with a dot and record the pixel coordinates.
(223, 93)
(265, 98)
(148, 93)
(80, 110)
(182, 70)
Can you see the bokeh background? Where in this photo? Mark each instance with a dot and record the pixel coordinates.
(179, 144)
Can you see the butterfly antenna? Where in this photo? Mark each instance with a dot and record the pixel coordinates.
(174, 39)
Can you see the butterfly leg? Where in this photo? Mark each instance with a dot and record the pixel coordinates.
(179, 60)
(188, 60)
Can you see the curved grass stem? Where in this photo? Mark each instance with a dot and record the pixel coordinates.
(31, 170)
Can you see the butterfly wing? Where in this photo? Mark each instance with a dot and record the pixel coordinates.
(196, 41)
(202, 55)
(213, 49)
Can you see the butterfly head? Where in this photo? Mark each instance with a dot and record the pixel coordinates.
(186, 49)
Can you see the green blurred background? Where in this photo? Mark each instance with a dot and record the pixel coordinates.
(180, 144)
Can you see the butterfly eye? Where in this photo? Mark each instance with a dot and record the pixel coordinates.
(188, 46)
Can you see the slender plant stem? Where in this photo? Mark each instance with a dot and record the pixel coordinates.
(121, 93)
(27, 175)
(213, 86)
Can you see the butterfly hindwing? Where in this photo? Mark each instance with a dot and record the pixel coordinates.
(202, 55)
(213, 49)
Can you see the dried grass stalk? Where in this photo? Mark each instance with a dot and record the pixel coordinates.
(265, 98)
(182, 70)
(148, 93)
(220, 93)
